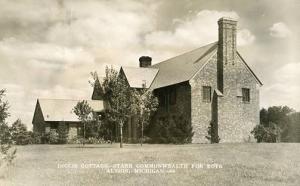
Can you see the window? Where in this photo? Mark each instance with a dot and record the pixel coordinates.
(206, 93)
(246, 95)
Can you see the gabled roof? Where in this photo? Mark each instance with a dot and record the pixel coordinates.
(183, 67)
(136, 77)
(247, 66)
(98, 92)
(62, 109)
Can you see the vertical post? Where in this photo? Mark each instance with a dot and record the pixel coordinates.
(121, 134)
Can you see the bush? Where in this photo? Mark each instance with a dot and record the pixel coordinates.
(35, 138)
(62, 133)
(76, 140)
(174, 129)
(269, 134)
(93, 140)
(19, 133)
(53, 137)
(212, 134)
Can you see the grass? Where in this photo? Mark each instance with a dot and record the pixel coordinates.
(237, 164)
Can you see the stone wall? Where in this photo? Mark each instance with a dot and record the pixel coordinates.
(238, 118)
(235, 119)
(201, 111)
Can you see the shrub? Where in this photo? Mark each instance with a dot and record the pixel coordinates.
(174, 129)
(19, 133)
(35, 138)
(62, 131)
(53, 137)
(76, 140)
(269, 134)
(93, 140)
(212, 134)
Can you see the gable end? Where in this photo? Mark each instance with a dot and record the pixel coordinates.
(250, 70)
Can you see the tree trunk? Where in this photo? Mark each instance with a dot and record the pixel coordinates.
(121, 134)
(83, 133)
(142, 132)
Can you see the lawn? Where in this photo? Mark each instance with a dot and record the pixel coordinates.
(197, 164)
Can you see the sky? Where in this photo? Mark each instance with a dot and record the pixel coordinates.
(48, 48)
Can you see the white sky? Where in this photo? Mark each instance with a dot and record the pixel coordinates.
(48, 48)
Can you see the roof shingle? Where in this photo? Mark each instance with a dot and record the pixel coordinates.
(182, 68)
(62, 109)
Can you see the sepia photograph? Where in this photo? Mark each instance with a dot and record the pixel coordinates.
(149, 92)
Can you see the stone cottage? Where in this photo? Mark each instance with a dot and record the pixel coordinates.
(210, 84)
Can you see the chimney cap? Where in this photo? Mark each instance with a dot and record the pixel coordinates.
(145, 58)
(227, 19)
(145, 61)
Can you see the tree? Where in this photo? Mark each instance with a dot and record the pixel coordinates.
(19, 133)
(124, 101)
(294, 127)
(144, 105)
(275, 124)
(84, 113)
(117, 95)
(6, 153)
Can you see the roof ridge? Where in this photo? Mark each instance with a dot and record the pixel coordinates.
(213, 43)
(65, 99)
(138, 67)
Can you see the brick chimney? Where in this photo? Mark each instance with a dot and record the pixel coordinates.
(145, 61)
(226, 47)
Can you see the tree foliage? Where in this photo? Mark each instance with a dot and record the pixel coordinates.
(269, 134)
(124, 101)
(19, 133)
(275, 124)
(6, 153)
(84, 113)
